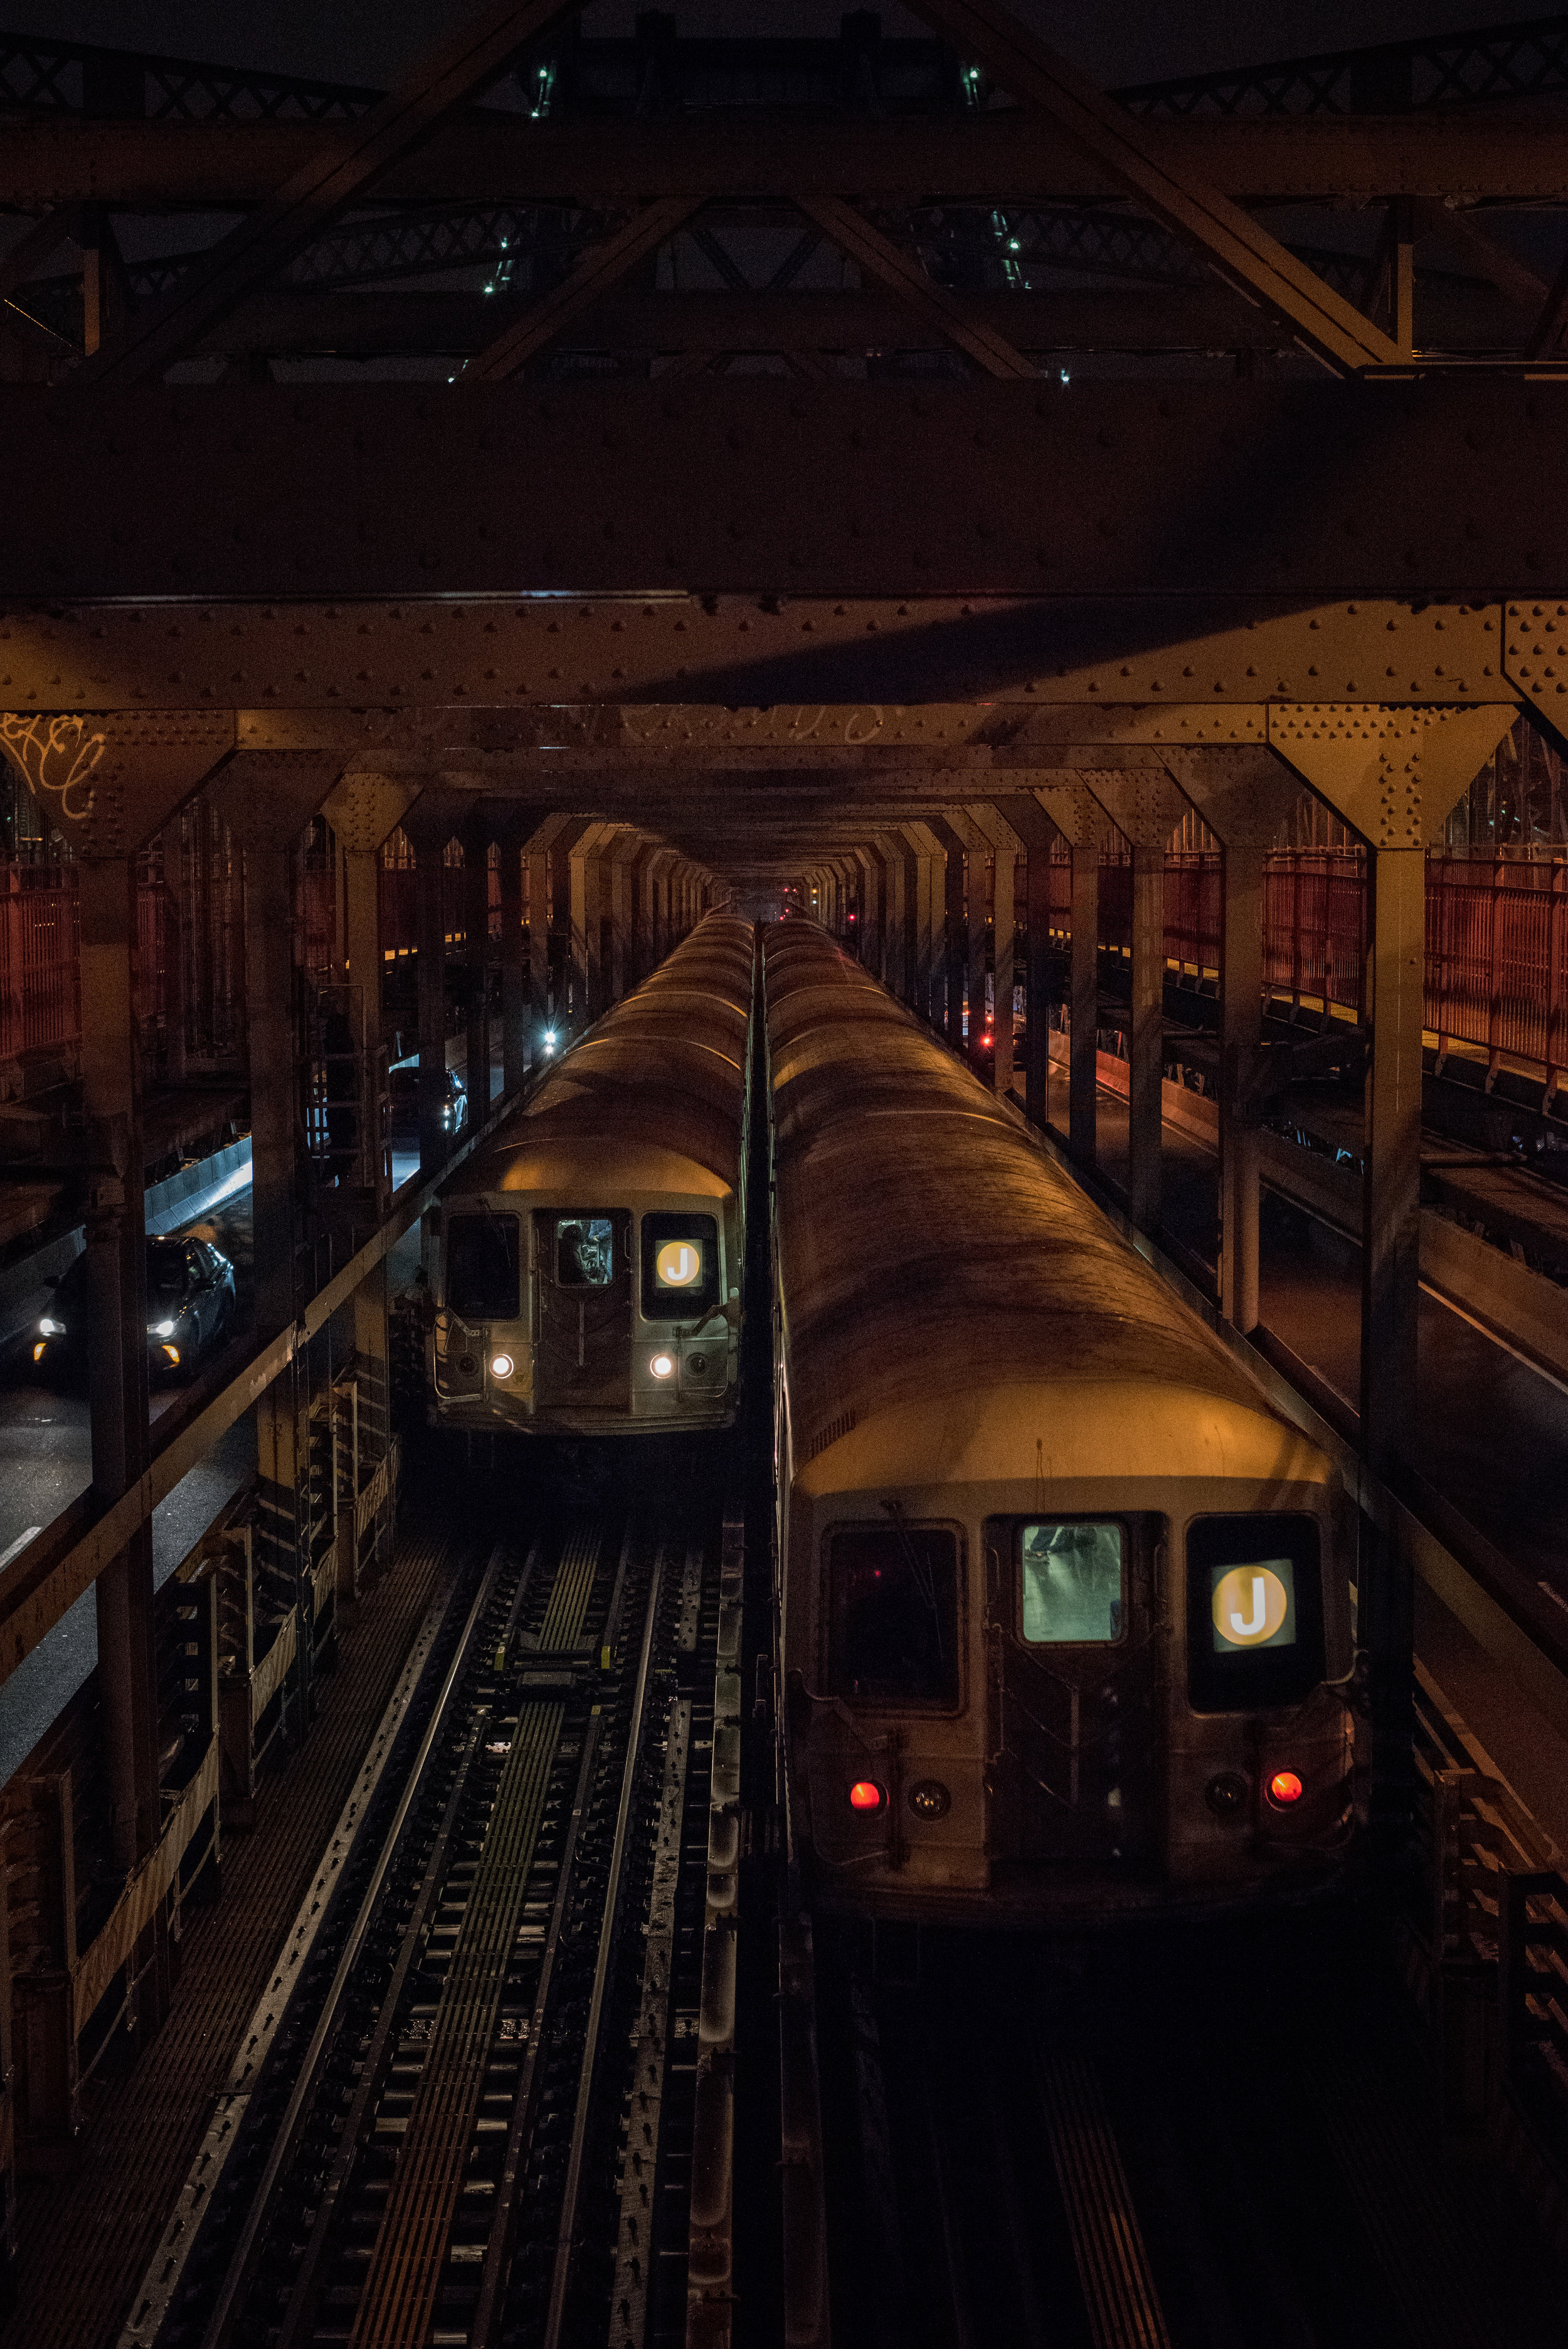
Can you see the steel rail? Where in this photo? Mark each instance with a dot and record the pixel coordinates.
(368, 2085)
(224, 2314)
(561, 2273)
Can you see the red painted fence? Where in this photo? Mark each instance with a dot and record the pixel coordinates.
(1497, 939)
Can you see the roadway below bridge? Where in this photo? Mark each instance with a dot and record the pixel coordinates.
(45, 1447)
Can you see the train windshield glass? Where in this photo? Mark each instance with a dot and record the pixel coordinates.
(892, 1613)
(680, 1266)
(585, 1251)
(481, 1268)
(1254, 1611)
(1072, 1582)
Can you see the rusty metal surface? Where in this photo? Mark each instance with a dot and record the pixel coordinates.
(801, 674)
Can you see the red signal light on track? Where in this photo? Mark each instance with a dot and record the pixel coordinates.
(1285, 1790)
(865, 1795)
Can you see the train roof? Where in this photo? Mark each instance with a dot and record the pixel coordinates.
(943, 1276)
(653, 1097)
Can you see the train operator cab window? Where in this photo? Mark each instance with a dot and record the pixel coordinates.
(680, 1266)
(1072, 1583)
(585, 1251)
(892, 1615)
(1254, 1611)
(481, 1268)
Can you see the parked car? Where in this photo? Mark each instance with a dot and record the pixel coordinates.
(404, 1088)
(190, 1306)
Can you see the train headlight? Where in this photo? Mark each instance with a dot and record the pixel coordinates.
(929, 1799)
(502, 1366)
(865, 1795)
(662, 1366)
(1226, 1795)
(1285, 1790)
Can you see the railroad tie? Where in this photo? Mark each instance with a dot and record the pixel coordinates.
(1120, 2295)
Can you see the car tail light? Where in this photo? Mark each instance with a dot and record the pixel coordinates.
(865, 1795)
(1285, 1790)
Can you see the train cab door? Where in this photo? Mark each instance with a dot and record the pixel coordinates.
(1073, 1725)
(582, 1293)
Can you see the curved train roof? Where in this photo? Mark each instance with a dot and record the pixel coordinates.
(654, 1096)
(943, 1276)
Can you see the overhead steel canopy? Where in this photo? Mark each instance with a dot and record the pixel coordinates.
(701, 486)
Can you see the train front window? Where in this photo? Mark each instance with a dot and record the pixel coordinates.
(1254, 1611)
(585, 1251)
(1072, 1582)
(680, 1266)
(481, 1268)
(893, 1614)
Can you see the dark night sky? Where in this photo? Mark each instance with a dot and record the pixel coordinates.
(1116, 40)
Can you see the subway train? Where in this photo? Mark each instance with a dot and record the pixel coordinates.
(1066, 1626)
(588, 1258)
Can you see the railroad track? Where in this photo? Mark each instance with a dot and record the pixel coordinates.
(475, 2129)
(1223, 2138)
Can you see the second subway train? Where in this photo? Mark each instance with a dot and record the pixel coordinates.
(1065, 1600)
(589, 1256)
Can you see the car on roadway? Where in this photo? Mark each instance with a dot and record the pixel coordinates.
(190, 1307)
(404, 1082)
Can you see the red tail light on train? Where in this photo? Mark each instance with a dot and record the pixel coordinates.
(865, 1795)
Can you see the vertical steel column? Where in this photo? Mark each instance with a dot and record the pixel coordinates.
(895, 940)
(955, 880)
(586, 918)
(1390, 1296)
(1390, 1259)
(1146, 1037)
(271, 1032)
(116, 1341)
(176, 898)
(988, 823)
(429, 893)
(1241, 1041)
(1037, 832)
(514, 969)
(476, 961)
(1083, 1042)
(978, 901)
(622, 852)
(538, 861)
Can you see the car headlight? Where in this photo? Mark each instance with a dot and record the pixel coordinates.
(160, 1329)
(49, 1327)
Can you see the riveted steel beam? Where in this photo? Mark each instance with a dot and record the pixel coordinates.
(1287, 495)
(339, 174)
(718, 672)
(110, 782)
(1234, 245)
(1393, 774)
(223, 165)
(901, 272)
(601, 269)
